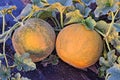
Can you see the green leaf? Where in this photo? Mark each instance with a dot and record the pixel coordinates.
(52, 59)
(88, 2)
(73, 17)
(40, 3)
(111, 58)
(84, 10)
(102, 71)
(102, 26)
(104, 6)
(0, 63)
(117, 26)
(90, 23)
(23, 62)
(103, 62)
(107, 62)
(63, 2)
(113, 73)
(1, 55)
(4, 72)
(117, 17)
(116, 44)
(44, 14)
(118, 60)
(19, 77)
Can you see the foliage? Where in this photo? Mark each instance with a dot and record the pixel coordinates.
(4, 72)
(113, 72)
(104, 6)
(23, 62)
(18, 77)
(84, 10)
(62, 13)
(52, 59)
(88, 2)
(72, 17)
(89, 23)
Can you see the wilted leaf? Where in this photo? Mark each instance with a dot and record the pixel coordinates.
(84, 10)
(23, 62)
(56, 6)
(19, 77)
(90, 23)
(6, 9)
(4, 72)
(52, 59)
(88, 2)
(113, 73)
(104, 6)
(112, 35)
(73, 17)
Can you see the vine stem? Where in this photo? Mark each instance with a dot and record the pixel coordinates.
(3, 30)
(113, 19)
(109, 29)
(28, 16)
(108, 46)
(57, 22)
(14, 18)
(54, 21)
(61, 19)
(100, 32)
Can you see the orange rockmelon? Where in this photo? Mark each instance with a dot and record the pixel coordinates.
(79, 46)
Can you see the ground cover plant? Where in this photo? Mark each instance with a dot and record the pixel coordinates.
(82, 32)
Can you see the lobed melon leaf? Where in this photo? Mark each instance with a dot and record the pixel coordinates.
(19, 77)
(23, 62)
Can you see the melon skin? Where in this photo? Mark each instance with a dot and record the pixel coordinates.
(36, 37)
(78, 46)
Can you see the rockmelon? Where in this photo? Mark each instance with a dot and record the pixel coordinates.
(35, 37)
(79, 46)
